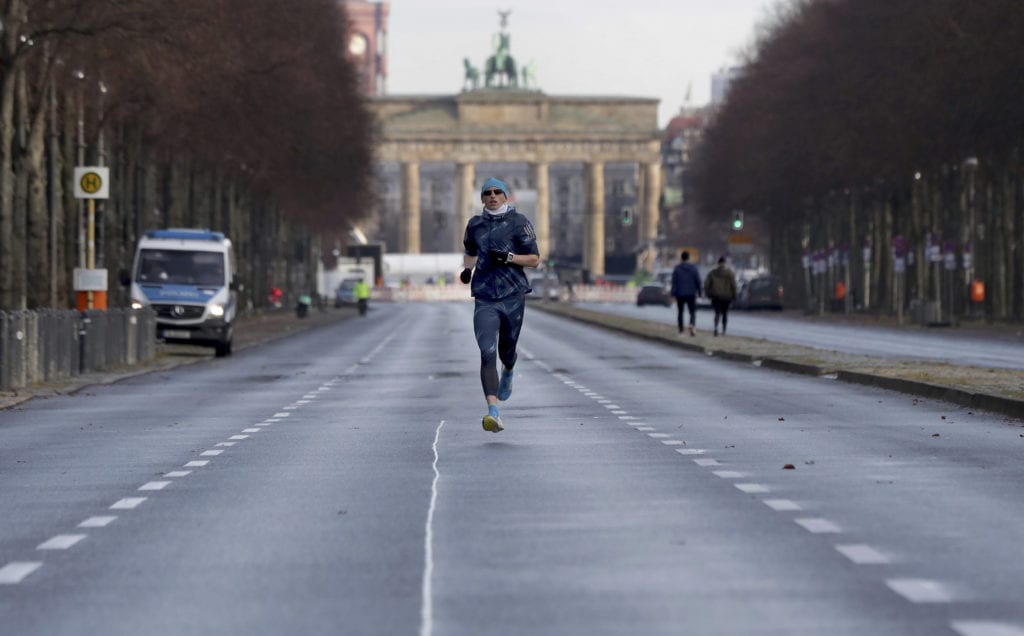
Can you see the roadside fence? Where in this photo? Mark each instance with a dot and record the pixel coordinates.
(44, 345)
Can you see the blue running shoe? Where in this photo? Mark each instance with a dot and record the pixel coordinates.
(492, 423)
(505, 385)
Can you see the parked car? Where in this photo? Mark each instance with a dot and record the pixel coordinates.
(653, 295)
(346, 292)
(542, 290)
(761, 292)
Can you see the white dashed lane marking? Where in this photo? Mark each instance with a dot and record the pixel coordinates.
(690, 451)
(239, 437)
(60, 542)
(782, 505)
(98, 522)
(178, 473)
(128, 503)
(228, 444)
(197, 463)
(920, 590)
(728, 474)
(282, 414)
(752, 488)
(250, 430)
(154, 485)
(986, 628)
(862, 554)
(672, 442)
(657, 435)
(706, 461)
(210, 453)
(818, 525)
(16, 571)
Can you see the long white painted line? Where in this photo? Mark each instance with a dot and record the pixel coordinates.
(920, 590)
(60, 542)
(154, 485)
(210, 453)
(178, 473)
(239, 437)
(98, 522)
(127, 503)
(16, 571)
(986, 628)
(706, 461)
(782, 505)
(817, 525)
(250, 430)
(427, 602)
(728, 474)
(862, 554)
(690, 451)
(753, 488)
(672, 442)
(197, 463)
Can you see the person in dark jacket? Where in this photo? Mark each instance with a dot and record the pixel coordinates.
(720, 286)
(685, 288)
(499, 243)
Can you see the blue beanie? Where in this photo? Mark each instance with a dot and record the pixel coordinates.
(494, 183)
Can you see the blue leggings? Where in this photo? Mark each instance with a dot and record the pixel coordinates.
(497, 324)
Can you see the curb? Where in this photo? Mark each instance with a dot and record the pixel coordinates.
(652, 331)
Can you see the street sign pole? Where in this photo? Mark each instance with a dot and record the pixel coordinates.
(91, 183)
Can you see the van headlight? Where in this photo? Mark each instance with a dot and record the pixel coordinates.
(216, 310)
(136, 304)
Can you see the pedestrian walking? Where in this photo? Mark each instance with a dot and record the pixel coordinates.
(499, 242)
(720, 287)
(685, 288)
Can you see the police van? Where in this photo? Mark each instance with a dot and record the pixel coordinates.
(188, 277)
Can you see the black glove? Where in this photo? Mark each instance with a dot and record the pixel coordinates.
(500, 256)
(466, 275)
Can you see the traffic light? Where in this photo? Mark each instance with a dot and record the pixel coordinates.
(627, 217)
(737, 219)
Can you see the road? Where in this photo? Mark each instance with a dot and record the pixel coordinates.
(973, 347)
(338, 481)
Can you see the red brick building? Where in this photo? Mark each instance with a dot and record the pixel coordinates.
(367, 42)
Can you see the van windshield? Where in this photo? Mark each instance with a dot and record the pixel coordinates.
(181, 267)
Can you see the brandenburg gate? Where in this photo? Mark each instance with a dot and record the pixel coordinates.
(524, 126)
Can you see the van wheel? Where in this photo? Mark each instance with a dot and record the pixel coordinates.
(222, 349)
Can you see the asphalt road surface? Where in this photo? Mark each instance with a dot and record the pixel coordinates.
(339, 482)
(978, 347)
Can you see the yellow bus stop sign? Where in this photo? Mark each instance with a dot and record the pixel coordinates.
(92, 182)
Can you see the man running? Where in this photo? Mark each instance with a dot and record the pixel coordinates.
(499, 243)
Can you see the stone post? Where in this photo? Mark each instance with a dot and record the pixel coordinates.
(593, 253)
(651, 214)
(467, 200)
(411, 207)
(542, 223)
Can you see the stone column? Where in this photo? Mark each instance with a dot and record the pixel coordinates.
(411, 207)
(593, 244)
(542, 223)
(467, 200)
(651, 215)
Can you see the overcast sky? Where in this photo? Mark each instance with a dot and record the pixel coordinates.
(645, 48)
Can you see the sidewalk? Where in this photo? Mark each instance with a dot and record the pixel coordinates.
(250, 330)
(996, 390)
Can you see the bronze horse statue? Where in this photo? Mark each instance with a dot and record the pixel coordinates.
(472, 79)
(503, 66)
